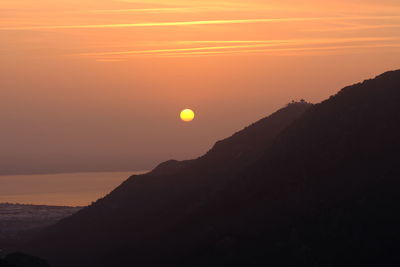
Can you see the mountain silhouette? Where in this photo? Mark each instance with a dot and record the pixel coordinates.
(22, 260)
(310, 185)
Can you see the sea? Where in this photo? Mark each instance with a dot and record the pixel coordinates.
(65, 189)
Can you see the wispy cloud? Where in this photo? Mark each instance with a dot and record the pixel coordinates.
(193, 3)
(190, 7)
(152, 51)
(298, 6)
(199, 22)
(276, 51)
(111, 59)
(292, 41)
(147, 10)
(354, 28)
(243, 44)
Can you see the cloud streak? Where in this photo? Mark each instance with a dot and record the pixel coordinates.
(354, 28)
(190, 7)
(197, 22)
(148, 10)
(240, 44)
(275, 50)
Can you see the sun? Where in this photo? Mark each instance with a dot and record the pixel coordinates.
(187, 115)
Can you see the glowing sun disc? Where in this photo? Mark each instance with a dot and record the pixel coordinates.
(187, 115)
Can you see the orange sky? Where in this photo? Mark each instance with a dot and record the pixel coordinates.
(99, 84)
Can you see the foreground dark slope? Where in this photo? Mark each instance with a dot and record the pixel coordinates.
(132, 225)
(325, 193)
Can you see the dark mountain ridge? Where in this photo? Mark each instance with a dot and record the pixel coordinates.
(169, 193)
(242, 146)
(328, 186)
(308, 186)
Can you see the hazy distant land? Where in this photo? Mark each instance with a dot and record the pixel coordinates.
(19, 222)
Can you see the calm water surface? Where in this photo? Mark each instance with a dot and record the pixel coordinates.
(71, 189)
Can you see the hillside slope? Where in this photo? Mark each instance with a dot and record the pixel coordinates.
(318, 188)
(325, 193)
(127, 225)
